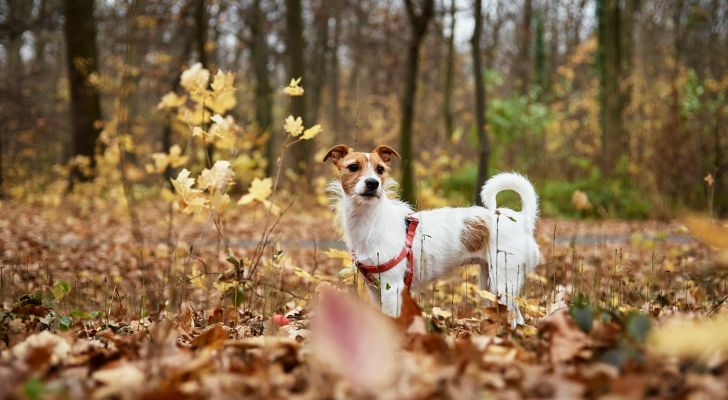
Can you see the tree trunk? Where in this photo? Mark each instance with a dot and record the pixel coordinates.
(449, 76)
(263, 91)
(201, 25)
(419, 20)
(317, 63)
(483, 146)
(201, 32)
(540, 54)
(631, 12)
(303, 151)
(19, 14)
(82, 61)
(40, 37)
(334, 114)
(609, 62)
(523, 63)
(174, 84)
(2, 150)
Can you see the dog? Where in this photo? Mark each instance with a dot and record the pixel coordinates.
(395, 247)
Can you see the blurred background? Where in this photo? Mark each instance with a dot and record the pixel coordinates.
(614, 108)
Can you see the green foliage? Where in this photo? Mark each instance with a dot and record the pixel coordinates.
(236, 294)
(34, 388)
(517, 115)
(60, 290)
(610, 197)
(79, 314)
(65, 323)
(583, 314)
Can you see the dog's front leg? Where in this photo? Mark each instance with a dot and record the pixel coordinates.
(388, 296)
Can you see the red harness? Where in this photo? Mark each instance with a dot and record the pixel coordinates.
(366, 270)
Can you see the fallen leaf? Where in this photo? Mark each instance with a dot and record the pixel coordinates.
(355, 341)
(565, 340)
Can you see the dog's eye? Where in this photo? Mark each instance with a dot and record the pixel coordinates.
(353, 167)
(380, 170)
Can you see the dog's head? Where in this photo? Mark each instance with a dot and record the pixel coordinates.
(363, 176)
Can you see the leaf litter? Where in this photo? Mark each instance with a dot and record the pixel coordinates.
(88, 314)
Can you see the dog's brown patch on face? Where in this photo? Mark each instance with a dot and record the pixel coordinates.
(350, 178)
(365, 164)
(474, 235)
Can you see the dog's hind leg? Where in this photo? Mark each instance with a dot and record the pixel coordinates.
(484, 280)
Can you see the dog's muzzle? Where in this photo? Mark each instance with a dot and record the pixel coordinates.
(370, 188)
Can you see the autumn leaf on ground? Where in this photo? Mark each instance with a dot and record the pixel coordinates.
(124, 380)
(565, 340)
(355, 341)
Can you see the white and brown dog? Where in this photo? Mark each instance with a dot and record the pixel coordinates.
(395, 247)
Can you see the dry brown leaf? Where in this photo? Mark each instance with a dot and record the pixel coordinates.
(213, 337)
(566, 340)
(123, 380)
(42, 348)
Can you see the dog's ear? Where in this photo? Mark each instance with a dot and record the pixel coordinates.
(337, 153)
(386, 153)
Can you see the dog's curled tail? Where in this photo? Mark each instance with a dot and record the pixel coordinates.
(517, 183)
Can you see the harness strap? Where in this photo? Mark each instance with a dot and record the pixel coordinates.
(411, 222)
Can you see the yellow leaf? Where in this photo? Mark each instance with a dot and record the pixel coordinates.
(580, 200)
(293, 88)
(343, 255)
(294, 126)
(260, 190)
(439, 312)
(311, 132)
(195, 79)
(691, 338)
(170, 101)
(183, 184)
(222, 102)
(486, 295)
(217, 178)
(223, 82)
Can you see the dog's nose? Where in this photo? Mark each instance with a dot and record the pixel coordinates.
(372, 184)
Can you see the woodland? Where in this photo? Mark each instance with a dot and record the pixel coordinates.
(166, 228)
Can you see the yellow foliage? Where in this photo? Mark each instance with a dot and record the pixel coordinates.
(293, 89)
(311, 132)
(294, 126)
(691, 338)
(260, 190)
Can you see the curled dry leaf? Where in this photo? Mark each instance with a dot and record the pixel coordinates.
(565, 341)
(122, 380)
(42, 348)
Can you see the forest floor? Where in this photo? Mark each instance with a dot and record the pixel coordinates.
(94, 308)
